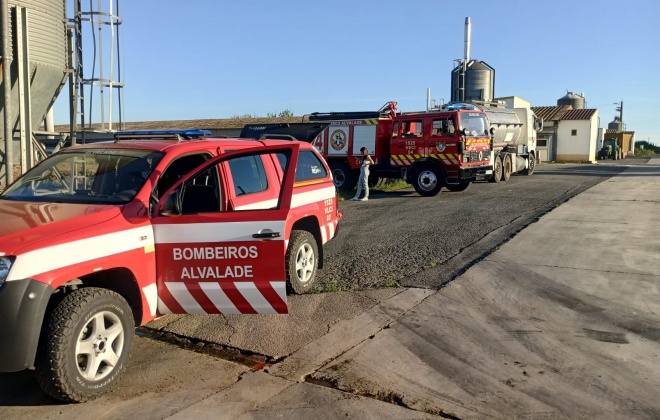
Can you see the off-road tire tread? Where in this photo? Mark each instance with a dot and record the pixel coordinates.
(295, 241)
(52, 377)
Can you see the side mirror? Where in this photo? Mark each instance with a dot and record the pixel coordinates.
(465, 132)
(492, 131)
(461, 147)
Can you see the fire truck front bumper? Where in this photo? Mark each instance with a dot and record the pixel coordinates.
(475, 173)
(22, 307)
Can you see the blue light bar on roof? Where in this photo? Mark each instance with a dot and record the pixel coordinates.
(453, 107)
(186, 134)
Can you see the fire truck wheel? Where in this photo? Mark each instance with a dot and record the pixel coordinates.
(531, 164)
(507, 168)
(85, 345)
(301, 262)
(343, 176)
(428, 179)
(497, 170)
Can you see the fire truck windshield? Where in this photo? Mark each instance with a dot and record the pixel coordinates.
(90, 176)
(475, 122)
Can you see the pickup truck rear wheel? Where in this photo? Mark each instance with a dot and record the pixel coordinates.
(85, 345)
(302, 261)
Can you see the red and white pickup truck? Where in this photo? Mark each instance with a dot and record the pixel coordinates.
(101, 237)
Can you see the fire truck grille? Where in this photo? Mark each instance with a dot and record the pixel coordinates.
(478, 156)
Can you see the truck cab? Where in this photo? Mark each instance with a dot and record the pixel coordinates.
(101, 237)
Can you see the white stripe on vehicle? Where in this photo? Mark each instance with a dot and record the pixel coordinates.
(216, 295)
(162, 308)
(280, 288)
(324, 235)
(331, 226)
(180, 293)
(309, 197)
(254, 297)
(151, 296)
(63, 255)
(214, 232)
(260, 205)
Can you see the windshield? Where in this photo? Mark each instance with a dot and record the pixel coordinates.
(475, 122)
(93, 176)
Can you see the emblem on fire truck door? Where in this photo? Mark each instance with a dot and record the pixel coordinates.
(440, 147)
(338, 139)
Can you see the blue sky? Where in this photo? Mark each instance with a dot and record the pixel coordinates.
(214, 59)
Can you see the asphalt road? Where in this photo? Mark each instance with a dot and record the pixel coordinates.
(402, 238)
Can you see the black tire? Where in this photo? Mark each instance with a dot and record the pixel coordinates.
(343, 176)
(63, 367)
(497, 170)
(507, 168)
(458, 187)
(428, 178)
(531, 165)
(302, 262)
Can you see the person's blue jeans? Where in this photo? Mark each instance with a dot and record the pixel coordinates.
(363, 183)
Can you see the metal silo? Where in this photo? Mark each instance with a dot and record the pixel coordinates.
(472, 80)
(616, 124)
(34, 64)
(479, 82)
(572, 99)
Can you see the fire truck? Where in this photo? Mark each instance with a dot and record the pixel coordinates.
(450, 147)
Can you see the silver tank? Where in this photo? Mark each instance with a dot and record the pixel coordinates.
(617, 124)
(572, 99)
(479, 82)
(47, 52)
(510, 124)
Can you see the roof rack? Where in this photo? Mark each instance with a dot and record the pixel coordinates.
(178, 135)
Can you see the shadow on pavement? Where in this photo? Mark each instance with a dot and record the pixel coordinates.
(21, 389)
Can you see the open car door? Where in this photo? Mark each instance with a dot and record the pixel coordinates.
(212, 257)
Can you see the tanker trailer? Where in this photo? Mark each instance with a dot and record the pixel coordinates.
(513, 136)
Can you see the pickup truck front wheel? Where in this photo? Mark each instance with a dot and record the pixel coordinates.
(302, 261)
(85, 345)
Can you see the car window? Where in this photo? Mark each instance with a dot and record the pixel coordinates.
(177, 169)
(248, 175)
(309, 167)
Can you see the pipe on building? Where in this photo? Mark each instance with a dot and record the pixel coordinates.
(6, 80)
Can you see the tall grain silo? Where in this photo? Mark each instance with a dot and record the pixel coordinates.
(572, 99)
(472, 80)
(34, 65)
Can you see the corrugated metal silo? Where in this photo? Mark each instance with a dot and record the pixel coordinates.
(37, 40)
(572, 99)
(617, 124)
(479, 82)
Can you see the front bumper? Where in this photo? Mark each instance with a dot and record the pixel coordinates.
(475, 173)
(20, 322)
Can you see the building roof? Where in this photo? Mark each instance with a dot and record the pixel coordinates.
(208, 124)
(615, 131)
(551, 113)
(578, 114)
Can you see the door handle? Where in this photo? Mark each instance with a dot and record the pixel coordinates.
(266, 234)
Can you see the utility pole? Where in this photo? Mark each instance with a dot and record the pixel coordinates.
(620, 109)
